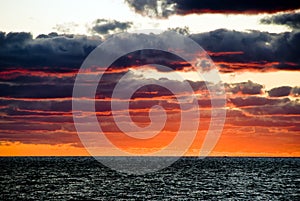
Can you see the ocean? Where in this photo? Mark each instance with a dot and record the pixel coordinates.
(189, 178)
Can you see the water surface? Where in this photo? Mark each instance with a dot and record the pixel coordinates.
(80, 178)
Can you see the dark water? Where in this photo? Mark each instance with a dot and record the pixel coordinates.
(79, 178)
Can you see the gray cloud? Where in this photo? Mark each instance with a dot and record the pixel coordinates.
(184, 31)
(19, 49)
(104, 26)
(37, 91)
(244, 88)
(54, 52)
(280, 91)
(296, 91)
(289, 19)
(284, 108)
(256, 101)
(257, 49)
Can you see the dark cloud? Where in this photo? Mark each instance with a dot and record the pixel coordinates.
(256, 101)
(65, 53)
(36, 91)
(184, 31)
(280, 91)
(36, 106)
(42, 118)
(265, 112)
(103, 26)
(244, 88)
(295, 91)
(152, 8)
(36, 127)
(165, 8)
(260, 50)
(150, 56)
(288, 19)
(285, 108)
(53, 50)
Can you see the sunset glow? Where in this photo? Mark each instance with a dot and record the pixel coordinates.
(255, 54)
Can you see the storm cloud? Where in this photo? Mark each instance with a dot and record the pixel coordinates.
(165, 8)
(19, 49)
(257, 50)
(291, 20)
(65, 53)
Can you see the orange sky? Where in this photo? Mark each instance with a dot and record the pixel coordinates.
(228, 145)
(242, 140)
(256, 125)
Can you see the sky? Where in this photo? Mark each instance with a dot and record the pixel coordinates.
(255, 47)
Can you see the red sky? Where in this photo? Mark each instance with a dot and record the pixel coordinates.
(257, 124)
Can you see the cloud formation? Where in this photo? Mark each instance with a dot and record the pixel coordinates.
(230, 50)
(280, 91)
(291, 20)
(258, 50)
(244, 88)
(104, 26)
(165, 8)
(19, 49)
(37, 77)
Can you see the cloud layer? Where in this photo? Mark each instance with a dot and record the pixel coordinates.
(291, 20)
(231, 50)
(165, 8)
